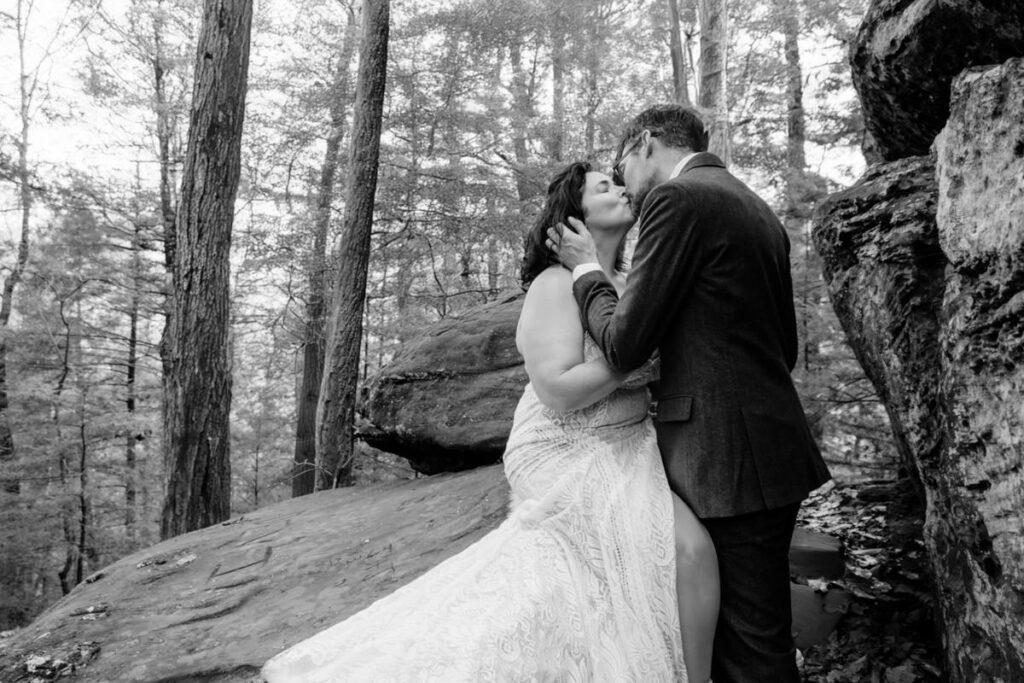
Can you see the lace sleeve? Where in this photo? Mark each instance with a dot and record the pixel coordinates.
(645, 374)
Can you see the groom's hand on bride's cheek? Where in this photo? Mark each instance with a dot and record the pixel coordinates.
(572, 245)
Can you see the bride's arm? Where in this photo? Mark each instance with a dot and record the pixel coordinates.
(550, 337)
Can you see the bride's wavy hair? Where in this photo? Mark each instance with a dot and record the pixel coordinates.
(564, 200)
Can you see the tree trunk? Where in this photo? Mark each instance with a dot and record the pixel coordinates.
(799, 201)
(522, 112)
(26, 87)
(304, 469)
(197, 456)
(336, 408)
(558, 37)
(714, 42)
(164, 132)
(85, 550)
(67, 573)
(165, 127)
(131, 475)
(493, 267)
(680, 82)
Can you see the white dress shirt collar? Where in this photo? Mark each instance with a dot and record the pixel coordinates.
(682, 163)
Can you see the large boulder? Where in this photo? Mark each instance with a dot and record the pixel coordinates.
(978, 521)
(445, 402)
(906, 54)
(213, 605)
(880, 251)
(925, 265)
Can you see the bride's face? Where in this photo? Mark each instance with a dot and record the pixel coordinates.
(605, 204)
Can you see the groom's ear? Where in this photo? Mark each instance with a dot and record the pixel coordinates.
(649, 142)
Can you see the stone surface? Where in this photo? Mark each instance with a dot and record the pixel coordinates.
(925, 265)
(214, 604)
(980, 166)
(445, 402)
(884, 267)
(813, 554)
(906, 54)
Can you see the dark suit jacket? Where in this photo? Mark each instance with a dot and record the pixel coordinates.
(710, 288)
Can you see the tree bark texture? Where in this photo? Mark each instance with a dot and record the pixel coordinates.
(197, 462)
(70, 575)
(714, 43)
(522, 113)
(131, 473)
(165, 128)
(304, 470)
(924, 262)
(796, 134)
(558, 60)
(336, 408)
(801, 195)
(680, 82)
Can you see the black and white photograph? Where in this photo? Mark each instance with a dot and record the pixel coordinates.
(512, 341)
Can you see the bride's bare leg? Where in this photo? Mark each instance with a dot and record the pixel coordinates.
(696, 590)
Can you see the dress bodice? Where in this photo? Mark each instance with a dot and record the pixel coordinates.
(627, 405)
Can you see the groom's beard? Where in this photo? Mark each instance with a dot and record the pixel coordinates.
(637, 198)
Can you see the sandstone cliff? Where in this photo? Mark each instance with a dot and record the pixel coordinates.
(924, 258)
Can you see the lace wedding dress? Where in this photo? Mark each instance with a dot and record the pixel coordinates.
(578, 584)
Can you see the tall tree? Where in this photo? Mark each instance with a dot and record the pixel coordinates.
(165, 129)
(131, 478)
(799, 197)
(523, 87)
(28, 81)
(197, 458)
(304, 471)
(558, 63)
(714, 59)
(336, 408)
(680, 80)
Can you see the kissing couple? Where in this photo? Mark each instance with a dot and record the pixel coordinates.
(641, 545)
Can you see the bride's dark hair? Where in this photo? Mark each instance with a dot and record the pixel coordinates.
(565, 199)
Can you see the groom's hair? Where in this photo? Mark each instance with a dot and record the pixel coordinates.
(676, 126)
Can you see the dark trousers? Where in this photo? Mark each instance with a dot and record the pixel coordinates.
(754, 640)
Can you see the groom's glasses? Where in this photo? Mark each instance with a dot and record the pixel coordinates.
(617, 172)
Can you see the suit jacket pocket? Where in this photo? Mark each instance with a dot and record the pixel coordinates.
(674, 409)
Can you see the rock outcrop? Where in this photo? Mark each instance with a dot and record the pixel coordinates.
(880, 248)
(907, 53)
(977, 524)
(445, 402)
(924, 259)
(213, 605)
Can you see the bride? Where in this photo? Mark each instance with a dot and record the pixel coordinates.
(600, 573)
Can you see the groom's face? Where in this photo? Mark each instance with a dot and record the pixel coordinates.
(634, 170)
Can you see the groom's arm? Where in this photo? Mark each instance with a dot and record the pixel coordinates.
(665, 266)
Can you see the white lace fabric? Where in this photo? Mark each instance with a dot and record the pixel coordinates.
(577, 585)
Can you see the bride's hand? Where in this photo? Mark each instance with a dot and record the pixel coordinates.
(573, 245)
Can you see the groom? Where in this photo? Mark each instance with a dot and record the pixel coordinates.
(710, 289)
